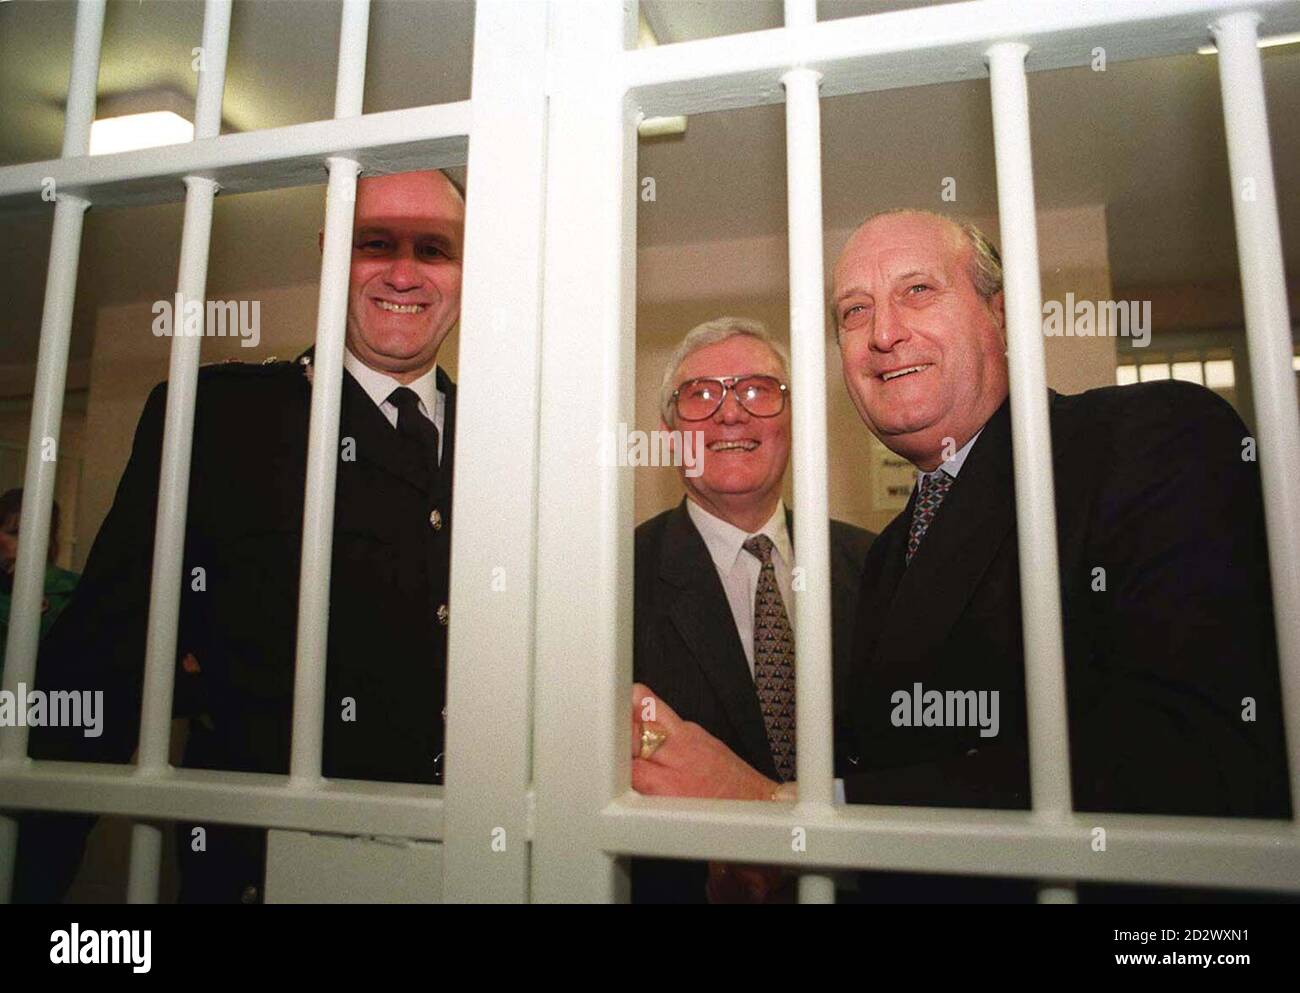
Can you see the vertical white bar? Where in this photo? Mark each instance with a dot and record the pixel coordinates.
(1268, 335)
(489, 721)
(326, 400)
(813, 703)
(182, 386)
(47, 405)
(814, 708)
(146, 861)
(1031, 439)
(174, 477)
(584, 546)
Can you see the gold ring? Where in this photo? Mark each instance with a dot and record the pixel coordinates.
(651, 740)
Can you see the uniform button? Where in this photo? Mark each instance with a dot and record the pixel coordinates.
(249, 895)
(443, 615)
(435, 519)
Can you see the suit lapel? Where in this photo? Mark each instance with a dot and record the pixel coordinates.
(697, 604)
(977, 514)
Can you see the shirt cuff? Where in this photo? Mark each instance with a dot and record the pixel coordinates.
(839, 792)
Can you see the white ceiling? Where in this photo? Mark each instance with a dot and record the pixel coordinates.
(1144, 138)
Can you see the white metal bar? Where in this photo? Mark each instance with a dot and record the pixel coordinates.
(339, 806)
(932, 44)
(1268, 335)
(584, 614)
(323, 433)
(47, 403)
(1247, 854)
(174, 475)
(145, 861)
(350, 88)
(800, 13)
(813, 705)
(182, 385)
(493, 566)
(1031, 438)
(391, 141)
(808, 397)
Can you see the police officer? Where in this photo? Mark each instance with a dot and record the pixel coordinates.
(386, 665)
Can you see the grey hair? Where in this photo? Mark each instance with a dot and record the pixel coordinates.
(711, 333)
(985, 264)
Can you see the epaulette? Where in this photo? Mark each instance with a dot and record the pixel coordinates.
(234, 367)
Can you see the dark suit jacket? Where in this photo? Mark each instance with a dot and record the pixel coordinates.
(1150, 487)
(687, 650)
(387, 642)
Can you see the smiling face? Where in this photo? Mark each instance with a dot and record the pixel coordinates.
(924, 354)
(404, 292)
(744, 456)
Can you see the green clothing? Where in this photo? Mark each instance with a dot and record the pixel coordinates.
(59, 586)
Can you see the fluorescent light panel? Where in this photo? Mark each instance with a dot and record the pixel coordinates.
(132, 131)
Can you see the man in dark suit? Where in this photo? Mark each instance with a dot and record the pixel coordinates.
(714, 575)
(1173, 693)
(1171, 669)
(386, 665)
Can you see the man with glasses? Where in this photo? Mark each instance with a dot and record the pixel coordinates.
(714, 579)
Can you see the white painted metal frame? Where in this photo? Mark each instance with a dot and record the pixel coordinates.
(582, 619)
(541, 590)
(503, 244)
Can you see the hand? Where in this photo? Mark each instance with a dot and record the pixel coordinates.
(691, 762)
(731, 882)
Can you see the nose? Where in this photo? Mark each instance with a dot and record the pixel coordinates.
(403, 274)
(731, 412)
(889, 327)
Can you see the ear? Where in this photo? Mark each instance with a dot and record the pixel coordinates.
(997, 307)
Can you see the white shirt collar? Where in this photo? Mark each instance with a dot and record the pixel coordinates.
(379, 385)
(725, 541)
(953, 465)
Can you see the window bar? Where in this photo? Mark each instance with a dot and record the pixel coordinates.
(1269, 348)
(490, 647)
(173, 483)
(47, 404)
(582, 660)
(326, 399)
(812, 605)
(1049, 744)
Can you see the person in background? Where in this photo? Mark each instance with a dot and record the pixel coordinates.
(59, 583)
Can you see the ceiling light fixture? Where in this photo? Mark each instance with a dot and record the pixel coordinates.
(125, 122)
(132, 131)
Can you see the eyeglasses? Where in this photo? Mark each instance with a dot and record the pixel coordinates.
(700, 399)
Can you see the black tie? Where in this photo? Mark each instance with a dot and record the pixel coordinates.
(413, 425)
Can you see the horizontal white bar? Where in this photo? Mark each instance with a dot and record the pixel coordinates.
(936, 44)
(1243, 854)
(336, 806)
(392, 141)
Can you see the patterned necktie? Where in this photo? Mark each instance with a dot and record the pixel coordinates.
(773, 660)
(413, 425)
(933, 489)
